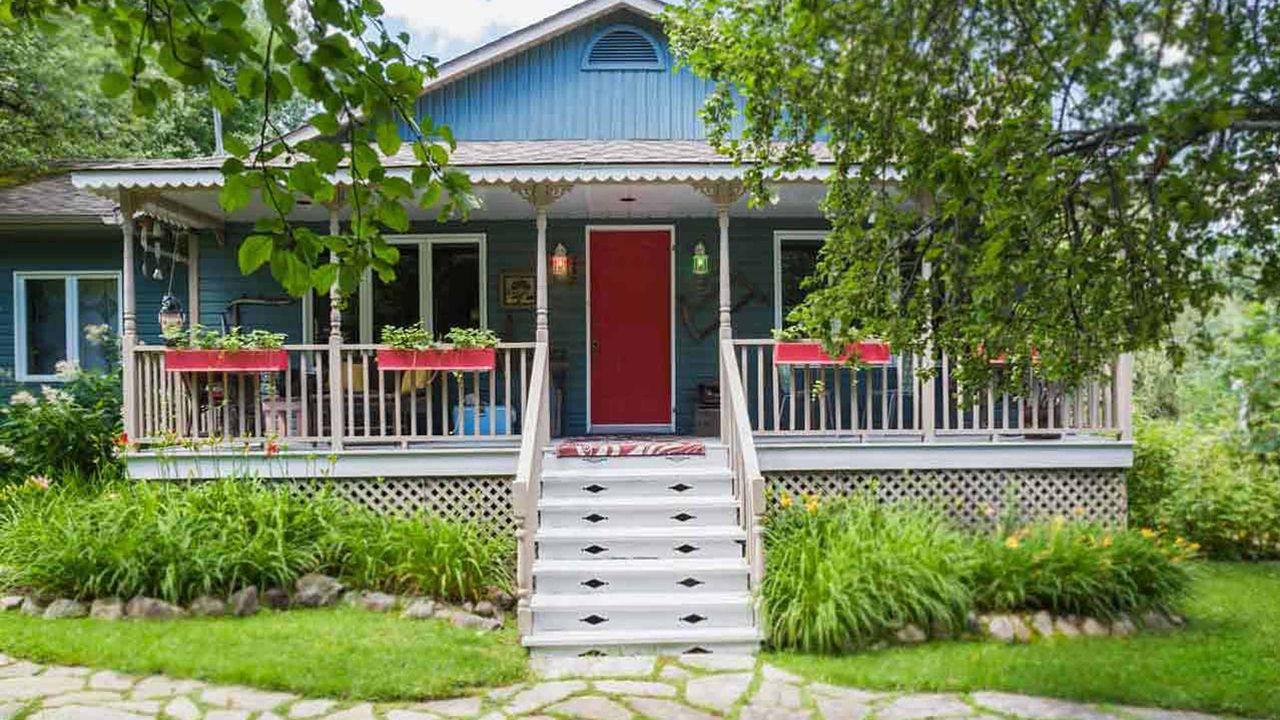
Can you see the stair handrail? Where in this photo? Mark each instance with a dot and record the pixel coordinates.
(748, 482)
(534, 438)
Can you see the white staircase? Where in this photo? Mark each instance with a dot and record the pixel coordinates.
(640, 555)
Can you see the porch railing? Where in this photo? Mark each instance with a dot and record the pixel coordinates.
(526, 489)
(315, 401)
(748, 482)
(893, 401)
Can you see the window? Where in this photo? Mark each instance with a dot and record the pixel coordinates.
(52, 311)
(623, 47)
(795, 257)
(440, 280)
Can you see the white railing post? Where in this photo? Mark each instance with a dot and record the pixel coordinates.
(335, 347)
(1124, 395)
(748, 482)
(129, 331)
(527, 485)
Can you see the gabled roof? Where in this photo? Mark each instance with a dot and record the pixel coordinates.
(53, 199)
(518, 41)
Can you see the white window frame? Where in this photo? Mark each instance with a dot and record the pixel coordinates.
(780, 237)
(425, 243)
(72, 310)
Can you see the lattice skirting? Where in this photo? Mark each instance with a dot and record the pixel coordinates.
(482, 499)
(975, 497)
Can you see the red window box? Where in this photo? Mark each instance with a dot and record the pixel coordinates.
(232, 361)
(438, 359)
(810, 352)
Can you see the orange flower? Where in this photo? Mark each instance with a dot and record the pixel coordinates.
(122, 439)
(273, 448)
(785, 500)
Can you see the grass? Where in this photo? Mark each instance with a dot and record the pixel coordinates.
(1226, 661)
(340, 653)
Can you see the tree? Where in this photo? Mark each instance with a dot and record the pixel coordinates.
(1047, 178)
(52, 110)
(334, 54)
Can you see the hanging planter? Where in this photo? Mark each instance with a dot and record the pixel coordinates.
(229, 361)
(810, 352)
(440, 358)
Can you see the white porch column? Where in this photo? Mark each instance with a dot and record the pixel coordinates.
(193, 279)
(723, 194)
(541, 195)
(129, 332)
(335, 343)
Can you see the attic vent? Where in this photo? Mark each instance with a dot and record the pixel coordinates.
(623, 47)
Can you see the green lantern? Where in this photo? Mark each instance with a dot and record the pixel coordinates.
(701, 263)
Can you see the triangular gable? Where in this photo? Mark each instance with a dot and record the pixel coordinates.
(518, 41)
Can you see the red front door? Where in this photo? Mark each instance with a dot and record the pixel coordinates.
(630, 277)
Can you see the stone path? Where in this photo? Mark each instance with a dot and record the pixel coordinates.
(699, 687)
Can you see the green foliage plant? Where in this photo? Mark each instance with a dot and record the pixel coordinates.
(202, 338)
(847, 573)
(471, 338)
(410, 337)
(176, 542)
(1075, 568)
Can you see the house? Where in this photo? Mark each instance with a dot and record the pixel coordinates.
(637, 416)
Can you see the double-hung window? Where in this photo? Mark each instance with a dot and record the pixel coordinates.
(51, 312)
(795, 258)
(440, 280)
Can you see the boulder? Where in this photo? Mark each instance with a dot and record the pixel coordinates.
(1001, 628)
(1089, 627)
(145, 608)
(11, 602)
(910, 634)
(208, 606)
(485, 608)
(1068, 626)
(65, 608)
(1042, 623)
(1157, 622)
(468, 606)
(276, 599)
(111, 608)
(419, 609)
(377, 601)
(1123, 626)
(31, 607)
(244, 602)
(316, 590)
(462, 619)
(502, 599)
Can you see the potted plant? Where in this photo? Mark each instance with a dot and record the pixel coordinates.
(204, 350)
(412, 348)
(792, 347)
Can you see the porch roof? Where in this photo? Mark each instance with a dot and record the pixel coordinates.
(498, 162)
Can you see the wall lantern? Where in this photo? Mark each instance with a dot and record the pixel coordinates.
(561, 264)
(701, 263)
(171, 315)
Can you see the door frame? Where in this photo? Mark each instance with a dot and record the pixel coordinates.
(669, 427)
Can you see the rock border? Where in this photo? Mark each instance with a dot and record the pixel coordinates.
(313, 590)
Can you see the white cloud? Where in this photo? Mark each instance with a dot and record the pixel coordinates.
(449, 27)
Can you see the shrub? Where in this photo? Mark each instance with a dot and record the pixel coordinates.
(1078, 569)
(176, 542)
(847, 572)
(1207, 487)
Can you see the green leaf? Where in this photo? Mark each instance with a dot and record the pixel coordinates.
(389, 141)
(254, 251)
(114, 84)
(236, 146)
(235, 193)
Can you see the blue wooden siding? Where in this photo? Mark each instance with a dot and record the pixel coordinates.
(89, 248)
(543, 93)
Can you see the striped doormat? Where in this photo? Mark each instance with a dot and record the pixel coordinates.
(628, 446)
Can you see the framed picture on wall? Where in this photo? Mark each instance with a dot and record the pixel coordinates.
(519, 288)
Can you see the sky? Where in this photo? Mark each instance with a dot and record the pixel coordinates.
(448, 28)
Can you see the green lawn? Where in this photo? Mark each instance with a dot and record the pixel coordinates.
(341, 653)
(1226, 661)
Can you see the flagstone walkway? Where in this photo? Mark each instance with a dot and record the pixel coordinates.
(700, 687)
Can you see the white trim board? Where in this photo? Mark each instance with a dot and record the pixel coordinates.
(496, 459)
(71, 310)
(813, 454)
(645, 428)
